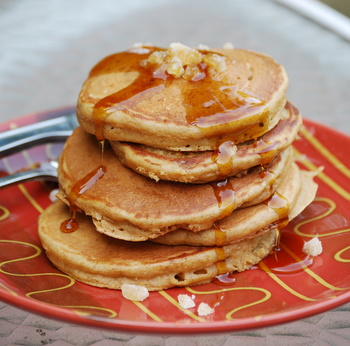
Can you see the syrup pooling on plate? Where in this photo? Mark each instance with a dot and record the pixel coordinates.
(283, 263)
(209, 104)
(294, 267)
(226, 279)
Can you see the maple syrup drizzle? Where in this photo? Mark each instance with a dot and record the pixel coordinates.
(223, 157)
(146, 85)
(218, 103)
(221, 264)
(208, 103)
(102, 145)
(280, 225)
(220, 236)
(78, 189)
(268, 175)
(70, 225)
(225, 196)
(265, 149)
(279, 204)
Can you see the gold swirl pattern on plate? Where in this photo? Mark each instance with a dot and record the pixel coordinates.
(331, 208)
(8, 289)
(71, 282)
(175, 303)
(324, 177)
(289, 289)
(296, 229)
(24, 191)
(312, 273)
(338, 256)
(4, 213)
(147, 311)
(324, 151)
(266, 293)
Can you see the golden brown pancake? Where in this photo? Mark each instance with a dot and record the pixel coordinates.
(126, 202)
(206, 166)
(210, 131)
(98, 260)
(124, 99)
(293, 195)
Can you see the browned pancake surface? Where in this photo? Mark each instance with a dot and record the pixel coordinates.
(206, 166)
(123, 195)
(122, 101)
(98, 260)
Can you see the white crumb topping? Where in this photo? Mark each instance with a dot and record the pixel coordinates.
(182, 61)
(228, 45)
(140, 48)
(204, 309)
(185, 301)
(134, 292)
(202, 46)
(313, 247)
(185, 54)
(175, 67)
(142, 44)
(53, 195)
(218, 62)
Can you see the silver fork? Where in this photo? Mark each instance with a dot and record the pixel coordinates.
(53, 130)
(45, 171)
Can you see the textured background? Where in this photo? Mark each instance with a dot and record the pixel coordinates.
(48, 47)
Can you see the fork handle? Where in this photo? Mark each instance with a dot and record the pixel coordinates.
(21, 177)
(52, 130)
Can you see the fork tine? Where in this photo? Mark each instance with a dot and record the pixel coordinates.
(46, 171)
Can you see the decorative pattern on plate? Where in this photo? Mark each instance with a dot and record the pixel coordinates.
(283, 287)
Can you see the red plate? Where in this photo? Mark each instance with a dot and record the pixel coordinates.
(282, 288)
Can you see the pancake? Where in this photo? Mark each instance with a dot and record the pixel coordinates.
(206, 166)
(120, 200)
(292, 196)
(132, 97)
(98, 260)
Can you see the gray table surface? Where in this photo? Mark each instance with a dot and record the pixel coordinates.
(48, 47)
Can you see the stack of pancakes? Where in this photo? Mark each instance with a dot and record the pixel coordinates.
(182, 169)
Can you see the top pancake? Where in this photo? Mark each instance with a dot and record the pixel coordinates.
(125, 100)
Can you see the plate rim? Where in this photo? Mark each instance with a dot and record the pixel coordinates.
(58, 313)
(154, 327)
